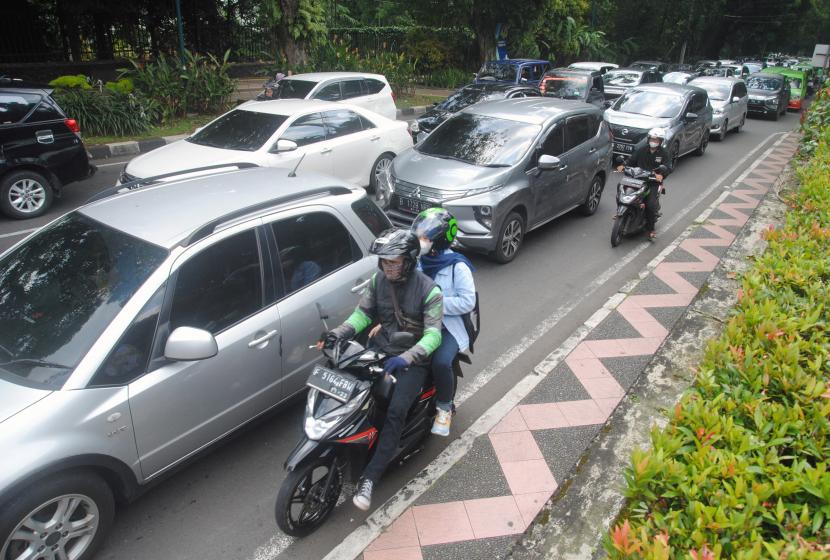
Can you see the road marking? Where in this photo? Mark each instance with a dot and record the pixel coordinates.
(354, 543)
(18, 232)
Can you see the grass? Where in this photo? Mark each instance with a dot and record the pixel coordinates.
(180, 126)
(416, 100)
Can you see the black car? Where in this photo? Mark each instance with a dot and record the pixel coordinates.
(769, 94)
(463, 98)
(40, 149)
(570, 83)
(661, 67)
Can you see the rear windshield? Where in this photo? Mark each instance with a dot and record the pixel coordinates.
(566, 87)
(621, 78)
(480, 140)
(676, 77)
(717, 92)
(496, 71)
(15, 106)
(759, 82)
(650, 103)
(293, 89)
(60, 290)
(239, 130)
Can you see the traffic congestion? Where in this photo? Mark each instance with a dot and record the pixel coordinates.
(148, 319)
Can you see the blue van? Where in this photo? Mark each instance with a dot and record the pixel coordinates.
(522, 71)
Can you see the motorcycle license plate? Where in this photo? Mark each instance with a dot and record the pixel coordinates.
(627, 148)
(335, 384)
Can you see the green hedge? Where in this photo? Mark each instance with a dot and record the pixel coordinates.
(741, 469)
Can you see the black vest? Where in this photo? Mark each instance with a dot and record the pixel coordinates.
(411, 295)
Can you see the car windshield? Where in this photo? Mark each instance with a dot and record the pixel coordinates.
(768, 84)
(621, 78)
(676, 77)
(498, 71)
(566, 87)
(644, 65)
(293, 89)
(461, 99)
(239, 130)
(753, 67)
(60, 290)
(795, 83)
(717, 92)
(480, 140)
(650, 103)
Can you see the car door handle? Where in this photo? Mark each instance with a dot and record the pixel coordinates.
(264, 338)
(374, 138)
(563, 167)
(592, 150)
(359, 287)
(44, 136)
(325, 150)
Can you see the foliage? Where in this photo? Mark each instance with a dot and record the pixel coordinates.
(741, 469)
(109, 113)
(450, 78)
(78, 81)
(124, 85)
(201, 85)
(813, 122)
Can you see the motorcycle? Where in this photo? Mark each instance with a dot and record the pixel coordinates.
(344, 414)
(269, 88)
(632, 192)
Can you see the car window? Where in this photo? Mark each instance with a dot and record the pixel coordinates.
(621, 78)
(371, 216)
(330, 92)
(341, 123)
(288, 88)
(597, 84)
(577, 131)
(352, 88)
(239, 130)
(61, 289)
(740, 90)
(219, 286)
(128, 359)
(311, 246)
(554, 144)
(374, 86)
(306, 130)
(367, 124)
(650, 103)
(698, 103)
(45, 112)
(15, 106)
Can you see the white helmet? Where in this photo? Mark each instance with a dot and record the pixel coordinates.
(657, 133)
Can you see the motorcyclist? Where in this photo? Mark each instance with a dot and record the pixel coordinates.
(436, 229)
(652, 157)
(401, 299)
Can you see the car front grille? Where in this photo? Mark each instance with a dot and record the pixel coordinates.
(628, 134)
(411, 190)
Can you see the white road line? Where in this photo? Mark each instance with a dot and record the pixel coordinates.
(18, 232)
(354, 543)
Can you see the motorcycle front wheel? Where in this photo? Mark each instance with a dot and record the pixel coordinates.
(308, 496)
(620, 228)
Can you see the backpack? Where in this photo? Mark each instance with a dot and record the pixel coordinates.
(472, 319)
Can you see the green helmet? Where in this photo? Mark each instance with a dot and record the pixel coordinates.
(437, 225)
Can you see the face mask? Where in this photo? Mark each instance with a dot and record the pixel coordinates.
(391, 269)
(654, 145)
(426, 246)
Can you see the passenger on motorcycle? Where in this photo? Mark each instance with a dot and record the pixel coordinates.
(453, 272)
(652, 157)
(400, 299)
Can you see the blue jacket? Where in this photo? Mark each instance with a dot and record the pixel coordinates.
(459, 298)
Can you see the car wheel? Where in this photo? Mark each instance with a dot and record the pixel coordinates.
(66, 516)
(743, 122)
(589, 207)
(25, 194)
(723, 130)
(510, 238)
(378, 185)
(704, 142)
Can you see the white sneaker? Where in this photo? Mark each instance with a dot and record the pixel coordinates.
(363, 497)
(441, 425)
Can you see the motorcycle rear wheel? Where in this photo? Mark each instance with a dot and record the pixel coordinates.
(301, 506)
(620, 228)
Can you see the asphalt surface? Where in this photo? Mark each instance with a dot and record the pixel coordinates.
(221, 506)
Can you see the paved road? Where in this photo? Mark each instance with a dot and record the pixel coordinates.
(221, 506)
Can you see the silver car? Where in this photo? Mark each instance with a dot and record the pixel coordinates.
(505, 167)
(729, 100)
(143, 327)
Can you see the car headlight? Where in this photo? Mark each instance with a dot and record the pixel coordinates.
(482, 190)
(318, 428)
(414, 127)
(484, 215)
(718, 110)
(772, 101)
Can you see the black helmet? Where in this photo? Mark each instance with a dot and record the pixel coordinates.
(395, 243)
(437, 225)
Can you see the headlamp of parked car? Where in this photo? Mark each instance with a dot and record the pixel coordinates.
(484, 215)
(771, 101)
(317, 428)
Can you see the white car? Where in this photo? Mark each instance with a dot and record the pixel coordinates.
(338, 139)
(729, 99)
(601, 67)
(370, 91)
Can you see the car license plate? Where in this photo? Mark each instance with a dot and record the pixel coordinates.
(335, 384)
(412, 205)
(627, 148)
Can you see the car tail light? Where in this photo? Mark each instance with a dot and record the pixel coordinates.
(394, 96)
(73, 125)
(542, 87)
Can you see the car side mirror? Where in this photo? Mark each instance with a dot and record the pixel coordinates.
(691, 116)
(188, 344)
(549, 162)
(284, 146)
(736, 99)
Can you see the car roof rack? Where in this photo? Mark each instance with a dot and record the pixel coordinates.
(210, 227)
(137, 183)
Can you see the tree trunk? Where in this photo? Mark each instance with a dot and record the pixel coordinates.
(485, 32)
(295, 51)
(103, 45)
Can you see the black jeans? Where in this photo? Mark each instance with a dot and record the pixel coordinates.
(407, 389)
(442, 372)
(652, 204)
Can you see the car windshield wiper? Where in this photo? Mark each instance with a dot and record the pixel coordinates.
(494, 164)
(36, 362)
(454, 158)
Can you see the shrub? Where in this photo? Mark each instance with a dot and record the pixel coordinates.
(108, 113)
(124, 85)
(78, 81)
(447, 78)
(741, 469)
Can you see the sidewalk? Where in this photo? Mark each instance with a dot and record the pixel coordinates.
(542, 472)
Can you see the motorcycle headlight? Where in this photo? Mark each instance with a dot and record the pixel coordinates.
(318, 428)
(627, 198)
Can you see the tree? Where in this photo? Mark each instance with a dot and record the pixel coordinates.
(298, 25)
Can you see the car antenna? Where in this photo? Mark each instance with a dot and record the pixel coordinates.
(294, 171)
